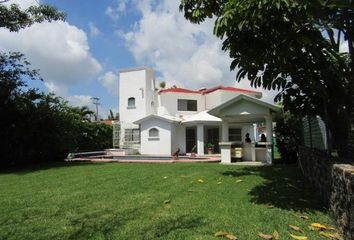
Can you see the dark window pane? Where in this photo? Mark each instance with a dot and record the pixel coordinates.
(192, 105)
(235, 135)
(186, 105)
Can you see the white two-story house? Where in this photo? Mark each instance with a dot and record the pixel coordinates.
(160, 121)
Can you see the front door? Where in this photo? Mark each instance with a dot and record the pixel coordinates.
(213, 138)
(191, 140)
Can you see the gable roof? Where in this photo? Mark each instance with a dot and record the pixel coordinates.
(216, 110)
(209, 90)
(166, 118)
(203, 116)
(231, 89)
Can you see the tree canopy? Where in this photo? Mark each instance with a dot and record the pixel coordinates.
(14, 18)
(290, 46)
(35, 126)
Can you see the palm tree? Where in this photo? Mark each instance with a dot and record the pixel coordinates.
(111, 115)
(84, 112)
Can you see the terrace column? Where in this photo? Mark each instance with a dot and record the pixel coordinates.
(200, 139)
(224, 131)
(269, 132)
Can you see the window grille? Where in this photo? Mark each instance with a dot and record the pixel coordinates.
(131, 102)
(235, 135)
(153, 133)
(186, 105)
(132, 135)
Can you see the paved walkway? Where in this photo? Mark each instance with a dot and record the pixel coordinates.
(247, 163)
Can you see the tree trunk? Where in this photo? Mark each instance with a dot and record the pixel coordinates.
(350, 152)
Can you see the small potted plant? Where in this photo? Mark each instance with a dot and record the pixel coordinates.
(210, 148)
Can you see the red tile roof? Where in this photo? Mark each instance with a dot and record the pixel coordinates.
(178, 90)
(208, 90)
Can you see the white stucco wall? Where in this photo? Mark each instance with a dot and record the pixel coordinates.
(220, 96)
(137, 83)
(168, 103)
(179, 138)
(161, 145)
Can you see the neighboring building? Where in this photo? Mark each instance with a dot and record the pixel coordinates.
(156, 121)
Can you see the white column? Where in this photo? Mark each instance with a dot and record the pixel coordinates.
(224, 131)
(200, 139)
(269, 132)
(225, 152)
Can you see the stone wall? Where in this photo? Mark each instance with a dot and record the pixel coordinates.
(335, 184)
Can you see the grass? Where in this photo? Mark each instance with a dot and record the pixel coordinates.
(126, 201)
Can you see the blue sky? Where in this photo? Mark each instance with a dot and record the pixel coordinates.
(81, 58)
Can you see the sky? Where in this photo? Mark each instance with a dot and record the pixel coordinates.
(81, 57)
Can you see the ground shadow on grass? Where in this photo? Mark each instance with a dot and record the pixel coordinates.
(102, 224)
(24, 169)
(164, 227)
(283, 187)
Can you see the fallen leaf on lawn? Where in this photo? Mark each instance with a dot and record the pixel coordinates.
(221, 234)
(276, 235)
(302, 216)
(331, 235)
(265, 236)
(225, 234)
(231, 237)
(239, 180)
(219, 183)
(296, 228)
(167, 201)
(200, 180)
(298, 237)
(319, 226)
(165, 177)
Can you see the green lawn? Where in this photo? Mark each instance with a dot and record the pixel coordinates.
(126, 201)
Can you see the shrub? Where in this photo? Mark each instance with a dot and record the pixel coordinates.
(288, 136)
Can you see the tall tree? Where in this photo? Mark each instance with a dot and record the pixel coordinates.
(14, 18)
(292, 46)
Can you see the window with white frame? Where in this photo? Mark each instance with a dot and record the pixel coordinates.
(186, 105)
(235, 135)
(132, 135)
(131, 102)
(153, 133)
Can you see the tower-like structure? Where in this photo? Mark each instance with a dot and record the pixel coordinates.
(137, 99)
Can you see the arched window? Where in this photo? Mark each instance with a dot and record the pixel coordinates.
(131, 102)
(153, 133)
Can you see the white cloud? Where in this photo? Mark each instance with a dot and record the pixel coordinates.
(94, 31)
(185, 54)
(112, 13)
(24, 4)
(58, 49)
(110, 81)
(121, 6)
(80, 101)
(116, 10)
